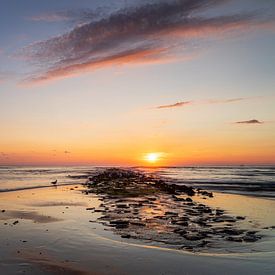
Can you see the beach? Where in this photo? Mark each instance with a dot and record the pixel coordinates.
(57, 230)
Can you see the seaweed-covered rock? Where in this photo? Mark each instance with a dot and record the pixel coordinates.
(143, 207)
(120, 182)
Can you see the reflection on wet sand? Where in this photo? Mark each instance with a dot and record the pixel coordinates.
(58, 203)
(50, 264)
(27, 215)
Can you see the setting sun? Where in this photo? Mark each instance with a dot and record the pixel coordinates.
(152, 157)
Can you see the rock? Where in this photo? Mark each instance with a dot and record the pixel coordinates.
(116, 222)
(189, 199)
(251, 238)
(152, 198)
(177, 198)
(121, 226)
(251, 232)
(234, 239)
(3, 211)
(207, 210)
(224, 218)
(219, 212)
(182, 223)
(122, 205)
(15, 222)
(180, 231)
(125, 236)
(137, 223)
(205, 193)
(230, 231)
(240, 218)
(101, 210)
(169, 213)
(90, 208)
(193, 236)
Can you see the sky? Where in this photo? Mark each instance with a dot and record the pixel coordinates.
(113, 82)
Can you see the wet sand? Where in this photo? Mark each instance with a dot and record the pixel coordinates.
(50, 231)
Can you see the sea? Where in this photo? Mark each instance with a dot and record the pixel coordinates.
(245, 180)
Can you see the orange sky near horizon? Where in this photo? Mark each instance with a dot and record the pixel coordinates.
(131, 154)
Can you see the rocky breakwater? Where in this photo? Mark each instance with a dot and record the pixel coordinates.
(138, 206)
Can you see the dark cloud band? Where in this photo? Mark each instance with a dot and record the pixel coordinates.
(115, 36)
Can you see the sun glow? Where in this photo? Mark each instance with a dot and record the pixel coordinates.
(152, 157)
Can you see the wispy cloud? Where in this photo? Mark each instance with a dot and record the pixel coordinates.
(230, 100)
(175, 105)
(251, 121)
(49, 17)
(80, 16)
(147, 33)
(205, 102)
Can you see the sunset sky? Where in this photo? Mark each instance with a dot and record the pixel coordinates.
(109, 82)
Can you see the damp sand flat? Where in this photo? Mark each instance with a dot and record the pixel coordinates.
(54, 235)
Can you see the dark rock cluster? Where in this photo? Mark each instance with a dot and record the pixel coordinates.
(143, 207)
(120, 182)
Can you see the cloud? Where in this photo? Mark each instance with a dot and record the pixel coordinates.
(147, 33)
(49, 17)
(205, 102)
(80, 16)
(252, 121)
(175, 105)
(141, 55)
(230, 100)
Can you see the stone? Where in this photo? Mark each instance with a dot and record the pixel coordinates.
(193, 236)
(251, 238)
(240, 218)
(234, 239)
(125, 236)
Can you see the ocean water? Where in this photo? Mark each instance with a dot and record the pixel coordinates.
(248, 180)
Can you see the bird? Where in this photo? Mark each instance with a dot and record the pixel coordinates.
(54, 182)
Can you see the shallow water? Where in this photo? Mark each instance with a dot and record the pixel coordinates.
(249, 180)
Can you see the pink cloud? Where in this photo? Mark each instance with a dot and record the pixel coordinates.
(145, 34)
(206, 102)
(251, 121)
